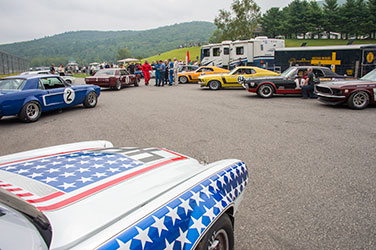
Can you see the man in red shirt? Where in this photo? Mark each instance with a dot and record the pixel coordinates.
(146, 68)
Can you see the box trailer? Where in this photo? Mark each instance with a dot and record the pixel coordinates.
(254, 52)
(350, 60)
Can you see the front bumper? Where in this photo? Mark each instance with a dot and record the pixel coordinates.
(330, 99)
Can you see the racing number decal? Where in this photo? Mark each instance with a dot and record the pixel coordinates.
(127, 80)
(69, 95)
(370, 57)
(374, 94)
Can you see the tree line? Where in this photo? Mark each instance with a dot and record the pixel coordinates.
(354, 18)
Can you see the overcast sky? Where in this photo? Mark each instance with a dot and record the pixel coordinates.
(22, 20)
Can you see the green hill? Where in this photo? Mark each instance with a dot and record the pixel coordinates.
(89, 46)
(180, 54)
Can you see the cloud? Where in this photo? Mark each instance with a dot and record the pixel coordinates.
(26, 20)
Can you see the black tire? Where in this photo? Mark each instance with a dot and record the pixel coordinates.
(221, 234)
(91, 100)
(137, 82)
(265, 91)
(68, 81)
(358, 100)
(214, 85)
(183, 79)
(118, 85)
(30, 112)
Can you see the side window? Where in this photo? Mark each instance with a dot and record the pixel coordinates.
(318, 73)
(52, 83)
(199, 70)
(206, 52)
(40, 84)
(216, 52)
(250, 71)
(226, 51)
(122, 73)
(239, 50)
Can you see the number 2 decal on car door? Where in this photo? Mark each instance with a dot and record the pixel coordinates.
(69, 95)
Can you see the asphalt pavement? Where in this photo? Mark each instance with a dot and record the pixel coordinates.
(312, 176)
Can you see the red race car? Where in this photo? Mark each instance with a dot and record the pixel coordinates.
(113, 78)
(357, 94)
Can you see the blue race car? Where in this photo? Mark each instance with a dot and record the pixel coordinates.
(27, 96)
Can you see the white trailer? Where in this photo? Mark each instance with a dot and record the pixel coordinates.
(228, 54)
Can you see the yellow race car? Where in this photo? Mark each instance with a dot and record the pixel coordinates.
(186, 77)
(215, 82)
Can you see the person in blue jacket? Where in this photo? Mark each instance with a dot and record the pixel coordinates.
(157, 73)
(162, 72)
(170, 71)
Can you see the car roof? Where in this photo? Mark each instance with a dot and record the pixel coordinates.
(30, 76)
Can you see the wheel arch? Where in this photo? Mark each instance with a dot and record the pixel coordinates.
(263, 83)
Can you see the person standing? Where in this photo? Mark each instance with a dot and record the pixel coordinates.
(170, 71)
(308, 88)
(52, 69)
(61, 68)
(165, 79)
(162, 72)
(157, 74)
(131, 68)
(176, 67)
(146, 68)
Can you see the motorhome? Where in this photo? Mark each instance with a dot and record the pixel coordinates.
(254, 52)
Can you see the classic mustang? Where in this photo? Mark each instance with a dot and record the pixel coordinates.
(192, 76)
(27, 96)
(358, 94)
(215, 82)
(113, 78)
(289, 82)
(91, 195)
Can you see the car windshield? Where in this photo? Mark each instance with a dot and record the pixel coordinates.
(233, 71)
(371, 76)
(109, 72)
(289, 72)
(12, 84)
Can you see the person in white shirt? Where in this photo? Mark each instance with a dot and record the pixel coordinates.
(176, 66)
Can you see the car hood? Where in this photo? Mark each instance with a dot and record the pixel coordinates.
(93, 188)
(344, 84)
(264, 78)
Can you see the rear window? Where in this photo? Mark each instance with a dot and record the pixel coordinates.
(108, 72)
(12, 84)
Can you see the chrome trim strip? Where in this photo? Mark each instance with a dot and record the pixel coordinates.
(331, 96)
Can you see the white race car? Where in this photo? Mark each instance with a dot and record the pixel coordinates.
(92, 195)
(68, 77)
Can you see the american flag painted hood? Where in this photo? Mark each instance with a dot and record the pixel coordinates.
(82, 191)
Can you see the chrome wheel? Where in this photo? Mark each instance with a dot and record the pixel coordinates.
(183, 79)
(360, 99)
(214, 85)
(118, 85)
(265, 91)
(91, 100)
(32, 110)
(219, 241)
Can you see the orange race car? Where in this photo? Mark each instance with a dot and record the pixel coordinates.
(186, 77)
